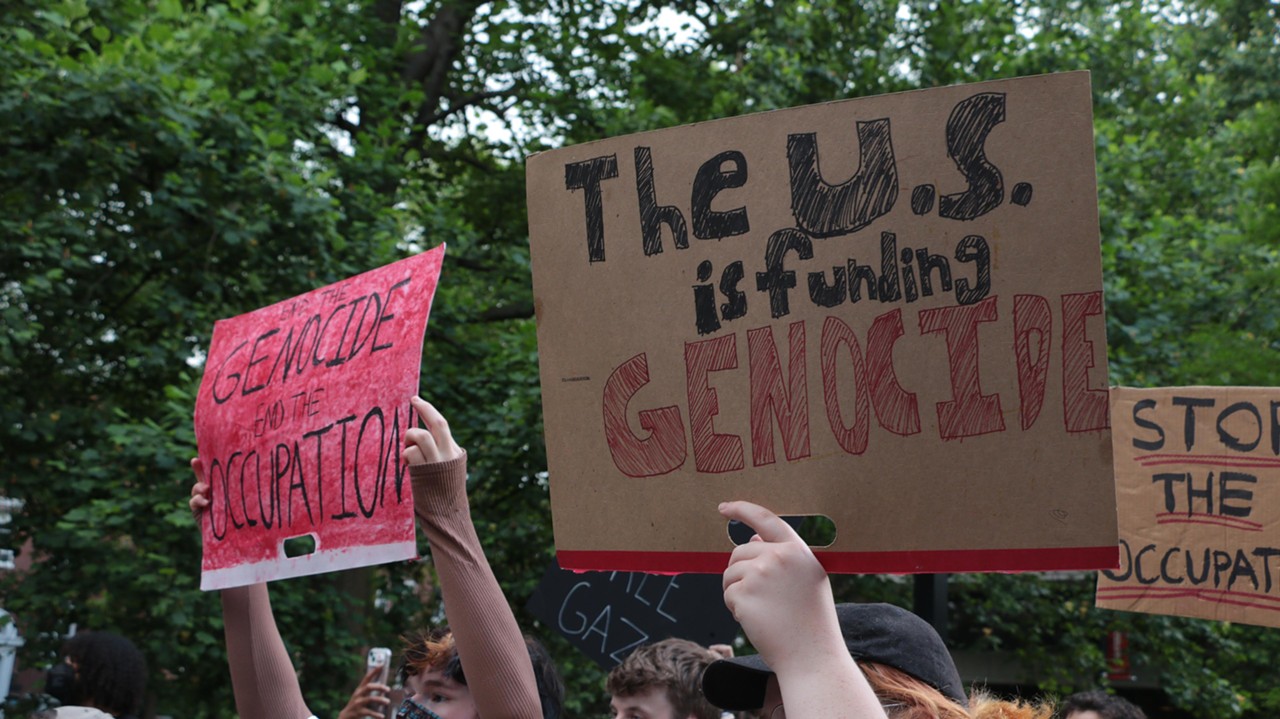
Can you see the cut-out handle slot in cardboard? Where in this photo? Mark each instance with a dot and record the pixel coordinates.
(817, 530)
(300, 546)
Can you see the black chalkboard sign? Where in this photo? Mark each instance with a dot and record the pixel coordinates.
(607, 615)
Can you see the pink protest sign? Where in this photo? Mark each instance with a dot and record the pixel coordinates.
(300, 421)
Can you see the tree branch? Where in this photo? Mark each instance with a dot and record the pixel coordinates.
(469, 264)
(520, 311)
(454, 155)
(149, 275)
(432, 58)
(468, 101)
(343, 123)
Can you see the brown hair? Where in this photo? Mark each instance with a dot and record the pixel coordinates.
(673, 664)
(918, 700)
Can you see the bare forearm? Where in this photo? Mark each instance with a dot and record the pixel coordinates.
(829, 685)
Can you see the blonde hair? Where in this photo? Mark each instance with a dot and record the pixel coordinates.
(918, 700)
(985, 706)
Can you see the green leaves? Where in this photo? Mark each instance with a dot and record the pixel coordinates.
(169, 164)
(169, 9)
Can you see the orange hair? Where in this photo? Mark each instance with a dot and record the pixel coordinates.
(918, 700)
(985, 706)
(428, 651)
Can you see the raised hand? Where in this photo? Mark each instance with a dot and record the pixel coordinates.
(369, 700)
(779, 592)
(432, 444)
(776, 588)
(199, 491)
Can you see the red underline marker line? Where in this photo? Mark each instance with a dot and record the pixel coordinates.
(1216, 596)
(1234, 523)
(1226, 460)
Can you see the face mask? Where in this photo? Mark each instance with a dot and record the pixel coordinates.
(409, 709)
(60, 682)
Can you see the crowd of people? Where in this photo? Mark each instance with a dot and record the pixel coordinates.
(815, 658)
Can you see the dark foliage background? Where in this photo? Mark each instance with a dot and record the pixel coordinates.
(170, 162)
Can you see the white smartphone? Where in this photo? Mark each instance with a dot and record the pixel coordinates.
(379, 657)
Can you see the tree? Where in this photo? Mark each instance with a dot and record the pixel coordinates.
(169, 164)
(170, 174)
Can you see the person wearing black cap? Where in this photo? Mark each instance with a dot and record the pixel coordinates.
(819, 659)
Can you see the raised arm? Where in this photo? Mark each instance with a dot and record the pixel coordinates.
(489, 641)
(262, 676)
(778, 591)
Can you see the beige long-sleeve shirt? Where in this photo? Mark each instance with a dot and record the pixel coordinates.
(489, 642)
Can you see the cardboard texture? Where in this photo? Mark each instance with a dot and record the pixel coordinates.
(608, 615)
(885, 310)
(1198, 535)
(299, 422)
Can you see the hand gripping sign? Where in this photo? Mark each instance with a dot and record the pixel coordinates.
(300, 420)
(886, 310)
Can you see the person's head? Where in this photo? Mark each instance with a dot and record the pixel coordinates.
(107, 672)
(660, 681)
(1099, 705)
(434, 679)
(905, 662)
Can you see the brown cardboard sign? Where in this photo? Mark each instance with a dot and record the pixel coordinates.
(1199, 519)
(885, 310)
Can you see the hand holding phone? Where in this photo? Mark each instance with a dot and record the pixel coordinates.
(369, 701)
(379, 657)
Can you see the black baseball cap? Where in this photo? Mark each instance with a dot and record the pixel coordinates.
(881, 633)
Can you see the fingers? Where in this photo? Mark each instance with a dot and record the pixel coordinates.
(741, 583)
(769, 526)
(200, 490)
(198, 504)
(374, 693)
(431, 417)
(775, 587)
(420, 447)
(369, 700)
(434, 441)
(361, 707)
(740, 562)
(367, 678)
(766, 568)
